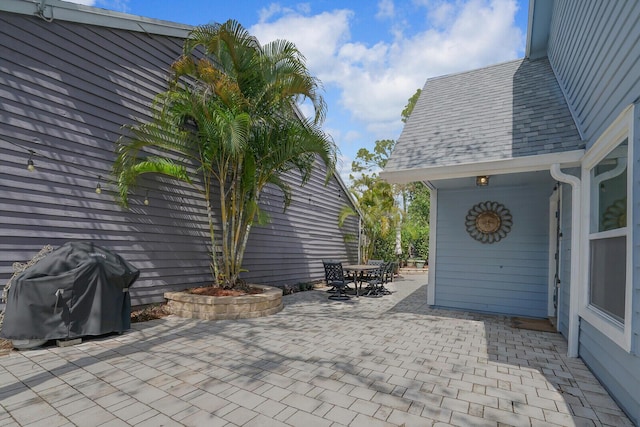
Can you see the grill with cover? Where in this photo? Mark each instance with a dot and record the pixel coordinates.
(77, 290)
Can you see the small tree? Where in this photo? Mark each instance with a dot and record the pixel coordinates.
(376, 199)
(230, 111)
(379, 214)
(415, 227)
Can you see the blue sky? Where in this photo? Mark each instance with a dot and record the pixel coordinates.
(371, 55)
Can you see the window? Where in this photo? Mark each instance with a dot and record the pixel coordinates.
(607, 239)
(606, 177)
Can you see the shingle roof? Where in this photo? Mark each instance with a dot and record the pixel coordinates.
(505, 111)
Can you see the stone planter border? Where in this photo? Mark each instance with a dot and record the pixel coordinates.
(207, 307)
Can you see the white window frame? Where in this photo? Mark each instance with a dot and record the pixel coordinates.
(620, 129)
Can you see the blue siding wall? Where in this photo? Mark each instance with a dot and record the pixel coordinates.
(616, 369)
(594, 49)
(509, 276)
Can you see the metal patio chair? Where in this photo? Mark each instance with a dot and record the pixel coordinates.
(387, 276)
(377, 262)
(334, 276)
(375, 282)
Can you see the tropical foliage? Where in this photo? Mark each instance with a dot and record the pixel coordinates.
(375, 198)
(408, 109)
(415, 226)
(395, 218)
(379, 214)
(228, 125)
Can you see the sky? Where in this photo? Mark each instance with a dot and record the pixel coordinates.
(370, 55)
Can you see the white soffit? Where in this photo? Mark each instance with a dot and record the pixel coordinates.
(495, 167)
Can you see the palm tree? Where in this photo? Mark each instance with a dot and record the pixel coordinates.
(230, 111)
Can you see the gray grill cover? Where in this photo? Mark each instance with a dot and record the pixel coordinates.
(77, 290)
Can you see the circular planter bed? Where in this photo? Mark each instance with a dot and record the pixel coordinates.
(206, 307)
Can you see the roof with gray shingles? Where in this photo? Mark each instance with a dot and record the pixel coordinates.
(504, 111)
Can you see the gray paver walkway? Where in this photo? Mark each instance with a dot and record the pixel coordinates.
(388, 361)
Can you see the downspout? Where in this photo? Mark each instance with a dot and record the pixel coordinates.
(576, 231)
(359, 239)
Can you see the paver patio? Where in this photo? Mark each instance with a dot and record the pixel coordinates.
(387, 361)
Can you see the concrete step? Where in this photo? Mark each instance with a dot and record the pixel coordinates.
(413, 270)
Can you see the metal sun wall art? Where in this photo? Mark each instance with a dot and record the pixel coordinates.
(488, 222)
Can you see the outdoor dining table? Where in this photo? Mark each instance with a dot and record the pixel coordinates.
(359, 270)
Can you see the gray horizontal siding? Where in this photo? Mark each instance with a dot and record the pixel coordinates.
(291, 247)
(618, 371)
(594, 48)
(65, 91)
(508, 277)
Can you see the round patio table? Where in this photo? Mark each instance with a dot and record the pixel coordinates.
(359, 270)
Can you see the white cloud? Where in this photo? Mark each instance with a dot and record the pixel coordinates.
(376, 80)
(306, 109)
(352, 135)
(84, 2)
(267, 12)
(118, 5)
(386, 9)
(317, 37)
(273, 9)
(304, 8)
(343, 167)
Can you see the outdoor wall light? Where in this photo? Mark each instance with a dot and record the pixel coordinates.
(146, 199)
(482, 181)
(98, 187)
(30, 166)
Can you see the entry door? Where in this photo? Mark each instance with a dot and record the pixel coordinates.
(554, 252)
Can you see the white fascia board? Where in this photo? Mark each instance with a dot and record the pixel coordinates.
(527, 51)
(538, 28)
(492, 167)
(23, 7)
(72, 12)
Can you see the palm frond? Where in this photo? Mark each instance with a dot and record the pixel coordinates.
(127, 177)
(277, 181)
(345, 213)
